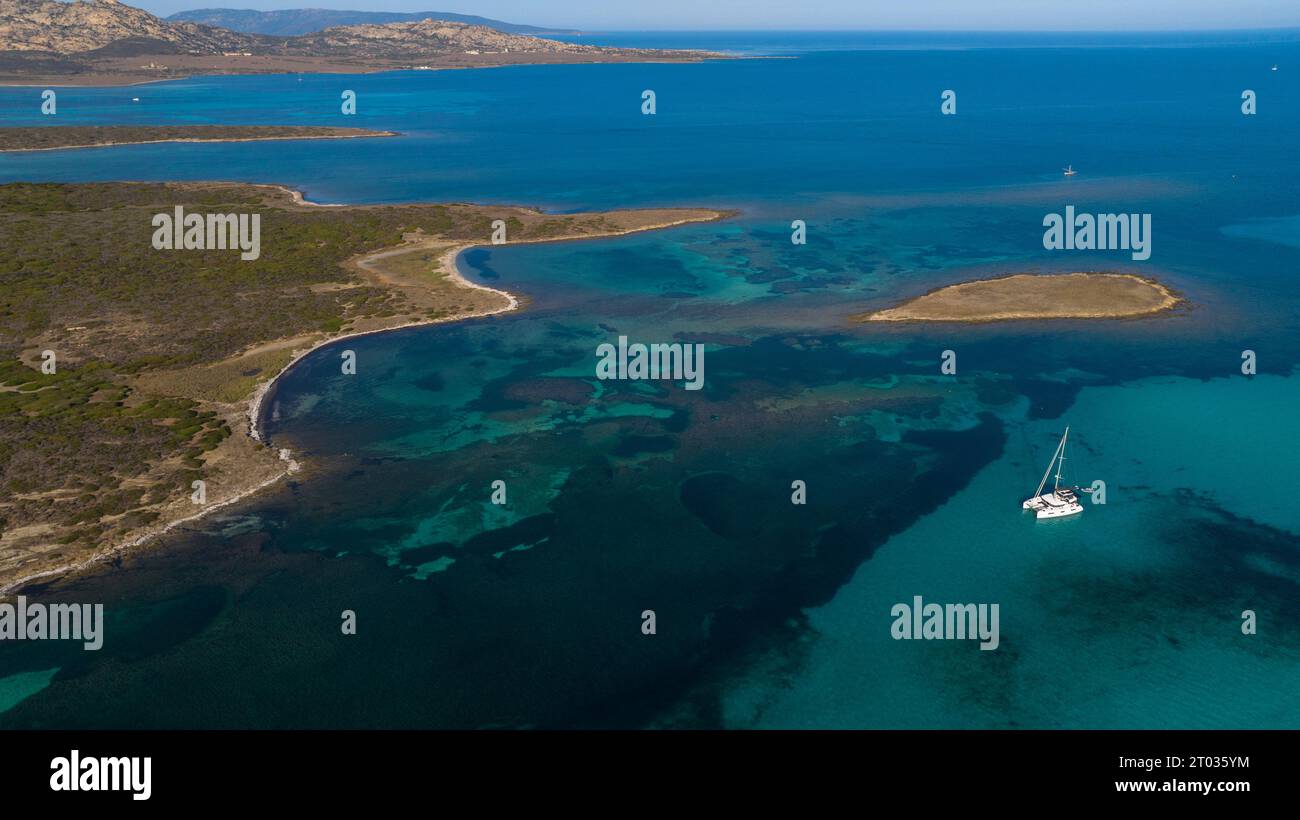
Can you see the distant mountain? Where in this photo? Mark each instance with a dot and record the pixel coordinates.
(422, 39)
(108, 28)
(293, 22)
(67, 28)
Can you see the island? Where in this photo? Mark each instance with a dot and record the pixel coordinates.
(128, 373)
(1080, 295)
(56, 137)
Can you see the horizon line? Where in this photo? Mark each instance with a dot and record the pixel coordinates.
(777, 30)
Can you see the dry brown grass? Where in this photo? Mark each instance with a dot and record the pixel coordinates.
(1030, 296)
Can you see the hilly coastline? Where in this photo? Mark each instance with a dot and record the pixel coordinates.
(292, 22)
(104, 42)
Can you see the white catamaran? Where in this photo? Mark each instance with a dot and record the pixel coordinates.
(1061, 501)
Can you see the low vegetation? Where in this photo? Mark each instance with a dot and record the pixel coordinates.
(156, 351)
(81, 136)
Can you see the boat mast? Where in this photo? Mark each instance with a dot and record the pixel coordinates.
(1060, 464)
(1051, 464)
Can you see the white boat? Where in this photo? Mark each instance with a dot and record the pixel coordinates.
(1061, 501)
(1069, 170)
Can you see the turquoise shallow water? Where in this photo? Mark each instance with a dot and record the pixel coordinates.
(625, 496)
(1128, 617)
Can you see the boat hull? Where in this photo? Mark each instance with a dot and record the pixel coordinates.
(1051, 506)
(1060, 512)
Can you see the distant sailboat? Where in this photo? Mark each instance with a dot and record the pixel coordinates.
(1060, 502)
(1069, 170)
(1275, 66)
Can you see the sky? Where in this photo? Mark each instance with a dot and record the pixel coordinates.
(1004, 15)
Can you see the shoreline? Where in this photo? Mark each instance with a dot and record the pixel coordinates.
(111, 80)
(298, 198)
(200, 139)
(252, 404)
(446, 263)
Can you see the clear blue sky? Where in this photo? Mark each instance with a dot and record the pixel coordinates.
(1041, 15)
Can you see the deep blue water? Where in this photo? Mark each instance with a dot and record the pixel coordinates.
(625, 496)
(805, 42)
(773, 130)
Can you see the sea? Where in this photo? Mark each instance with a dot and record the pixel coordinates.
(650, 567)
